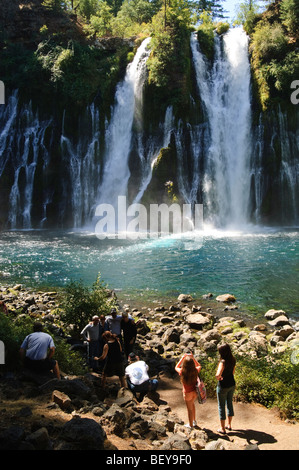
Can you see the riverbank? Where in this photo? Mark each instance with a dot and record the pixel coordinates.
(51, 411)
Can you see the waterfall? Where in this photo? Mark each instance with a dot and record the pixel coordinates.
(21, 146)
(224, 90)
(118, 137)
(149, 155)
(82, 160)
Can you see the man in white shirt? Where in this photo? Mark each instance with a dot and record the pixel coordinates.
(137, 377)
(37, 351)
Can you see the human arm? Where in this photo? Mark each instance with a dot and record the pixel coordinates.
(51, 352)
(220, 370)
(104, 354)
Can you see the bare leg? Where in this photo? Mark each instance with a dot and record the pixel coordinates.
(123, 382)
(229, 419)
(191, 412)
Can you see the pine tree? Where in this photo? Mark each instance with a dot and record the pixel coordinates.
(213, 6)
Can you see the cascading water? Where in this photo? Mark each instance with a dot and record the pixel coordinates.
(225, 94)
(82, 160)
(21, 144)
(119, 132)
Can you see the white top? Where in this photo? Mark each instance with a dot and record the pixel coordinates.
(137, 372)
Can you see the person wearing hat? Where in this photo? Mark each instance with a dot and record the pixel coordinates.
(137, 377)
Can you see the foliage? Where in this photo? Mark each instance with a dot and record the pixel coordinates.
(81, 303)
(14, 331)
(274, 53)
(289, 13)
(169, 63)
(213, 6)
(205, 35)
(247, 15)
(269, 42)
(221, 27)
(269, 382)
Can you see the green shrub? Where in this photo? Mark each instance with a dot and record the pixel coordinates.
(269, 42)
(81, 303)
(289, 14)
(269, 382)
(205, 35)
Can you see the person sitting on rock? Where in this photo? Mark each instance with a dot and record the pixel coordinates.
(37, 351)
(137, 377)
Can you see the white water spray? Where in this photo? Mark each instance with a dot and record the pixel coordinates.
(119, 133)
(225, 93)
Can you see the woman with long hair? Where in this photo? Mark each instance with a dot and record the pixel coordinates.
(188, 369)
(226, 386)
(112, 352)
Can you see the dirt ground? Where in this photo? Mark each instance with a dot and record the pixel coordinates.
(252, 424)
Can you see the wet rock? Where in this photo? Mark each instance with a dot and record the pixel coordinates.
(185, 298)
(226, 298)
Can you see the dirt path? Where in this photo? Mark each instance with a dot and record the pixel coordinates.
(252, 424)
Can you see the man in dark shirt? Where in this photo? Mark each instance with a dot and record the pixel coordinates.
(129, 330)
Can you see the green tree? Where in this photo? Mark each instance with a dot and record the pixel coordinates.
(213, 6)
(54, 5)
(289, 14)
(246, 14)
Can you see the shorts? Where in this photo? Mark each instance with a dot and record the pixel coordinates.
(190, 396)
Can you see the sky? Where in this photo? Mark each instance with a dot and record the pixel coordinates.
(229, 6)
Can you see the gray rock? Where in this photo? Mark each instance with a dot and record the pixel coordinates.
(85, 433)
(197, 321)
(281, 320)
(40, 439)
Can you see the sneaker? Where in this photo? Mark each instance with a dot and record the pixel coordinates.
(194, 423)
(187, 426)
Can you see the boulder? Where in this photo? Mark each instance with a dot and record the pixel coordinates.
(40, 439)
(62, 400)
(197, 321)
(226, 298)
(272, 314)
(83, 434)
(185, 298)
(115, 418)
(281, 320)
(171, 335)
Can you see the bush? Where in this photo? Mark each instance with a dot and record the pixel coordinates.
(269, 382)
(205, 35)
(81, 303)
(289, 13)
(13, 332)
(269, 42)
